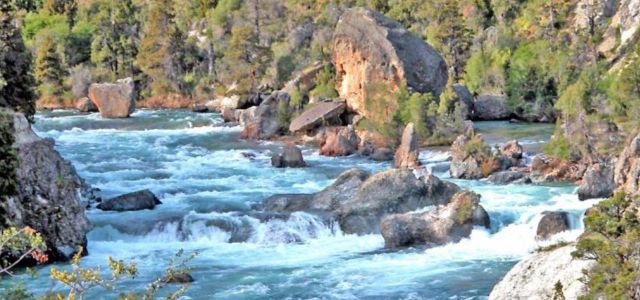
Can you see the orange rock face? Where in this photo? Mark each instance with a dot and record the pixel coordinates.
(114, 100)
(374, 55)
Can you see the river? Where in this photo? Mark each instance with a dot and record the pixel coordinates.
(207, 179)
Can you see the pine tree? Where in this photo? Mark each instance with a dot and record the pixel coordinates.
(16, 81)
(49, 71)
(69, 8)
(155, 55)
(454, 37)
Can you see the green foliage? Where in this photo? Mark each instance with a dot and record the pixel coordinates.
(44, 24)
(485, 71)
(8, 156)
(16, 81)
(49, 71)
(325, 84)
(612, 239)
(558, 293)
(558, 146)
(16, 245)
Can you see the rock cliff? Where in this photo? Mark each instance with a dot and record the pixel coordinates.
(372, 52)
(48, 196)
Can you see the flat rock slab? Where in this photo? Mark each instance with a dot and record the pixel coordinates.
(315, 115)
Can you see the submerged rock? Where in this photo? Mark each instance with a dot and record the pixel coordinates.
(139, 200)
(506, 177)
(551, 223)
(407, 153)
(286, 203)
(114, 100)
(445, 224)
(47, 197)
(370, 49)
(597, 182)
(290, 157)
(181, 277)
(535, 277)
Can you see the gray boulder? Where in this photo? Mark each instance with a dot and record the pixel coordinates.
(290, 157)
(286, 203)
(438, 192)
(390, 191)
(265, 123)
(340, 191)
(491, 107)
(465, 98)
(597, 182)
(551, 223)
(139, 200)
(506, 177)
(445, 224)
(316, 115)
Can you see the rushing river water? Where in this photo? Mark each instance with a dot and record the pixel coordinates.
(208, 179)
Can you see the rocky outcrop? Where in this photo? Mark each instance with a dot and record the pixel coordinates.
(471, 158)
(445, 224)
(552, 222)
(510, 154)
(407, 153)
(266, 122)
(338, 141)
(623, 25)
(48, 198)
(597, 182)
(86, 105)
(627, 168)
(290, 157)
(535, 277)
(550, 169)
(318, 114)
(372, 52)
(491, 107)
(114, 100)
(391, 191)
(139, 200)
(340, 191)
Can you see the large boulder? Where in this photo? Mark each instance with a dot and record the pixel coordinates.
(48, 193)
(390, 191)
(86, 105)
(552, 222)
(597, 182)
(407, 153)
(339, 141)
(491, 107)
(290, 157)
(139, 200)
(114, 100)
(507, 177)
(340, 191)
(317, 115)
(536, 277)
(627, 169)
(445, 224)
(374, 53)
(267, 121)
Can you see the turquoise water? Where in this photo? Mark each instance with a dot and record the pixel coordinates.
(208, 179)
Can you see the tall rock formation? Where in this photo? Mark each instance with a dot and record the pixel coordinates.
(373, 55)
(48, 194)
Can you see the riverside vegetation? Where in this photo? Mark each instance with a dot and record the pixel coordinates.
(573, 63)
